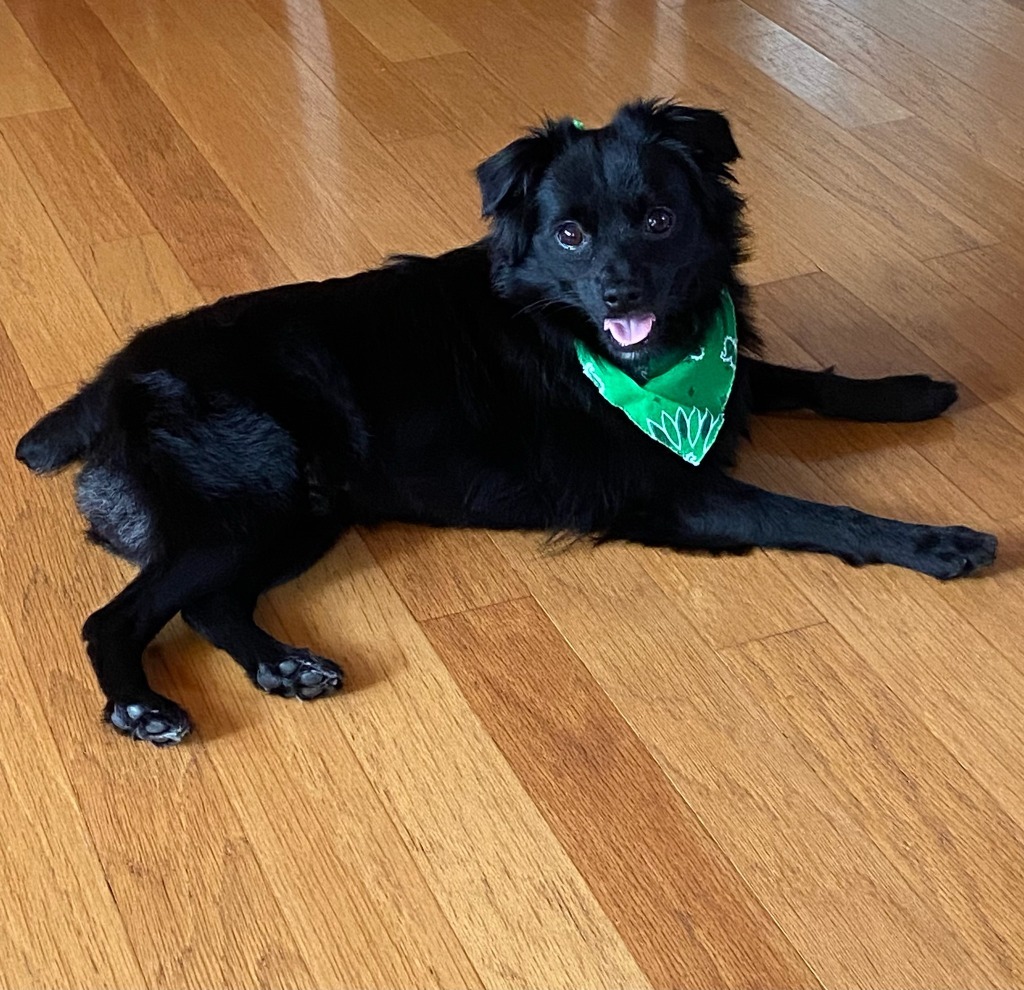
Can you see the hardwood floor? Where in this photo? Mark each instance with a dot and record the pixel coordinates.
(601, 768)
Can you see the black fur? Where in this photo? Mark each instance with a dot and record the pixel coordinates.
(227, 449)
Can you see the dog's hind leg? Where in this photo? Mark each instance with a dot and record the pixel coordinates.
(900, 398)
(117, 634)
(225, 619)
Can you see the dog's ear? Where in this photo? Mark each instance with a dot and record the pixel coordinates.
(705, 135)
(507, 179)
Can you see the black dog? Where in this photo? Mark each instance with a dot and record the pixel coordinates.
(227, 449)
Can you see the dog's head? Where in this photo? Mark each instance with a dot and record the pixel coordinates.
(627, 224)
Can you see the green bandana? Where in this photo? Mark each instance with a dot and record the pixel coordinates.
(684, 407)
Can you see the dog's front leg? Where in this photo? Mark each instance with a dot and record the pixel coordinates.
(732, 515)
(897, 399)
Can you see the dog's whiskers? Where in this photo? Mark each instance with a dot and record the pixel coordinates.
(540, 304)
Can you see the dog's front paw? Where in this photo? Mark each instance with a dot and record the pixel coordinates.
(918, 397)
(954, 551)
(299, 674)
(157, 720)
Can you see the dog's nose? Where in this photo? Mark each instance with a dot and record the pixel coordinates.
(622, 297)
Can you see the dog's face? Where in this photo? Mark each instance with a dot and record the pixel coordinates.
(623, 224)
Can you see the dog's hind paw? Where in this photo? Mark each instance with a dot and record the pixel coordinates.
(157, 720)
(299, 674)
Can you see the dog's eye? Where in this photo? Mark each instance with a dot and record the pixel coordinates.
(570, 235)
(660, 220)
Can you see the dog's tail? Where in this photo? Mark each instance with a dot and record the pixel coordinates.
(65, 434)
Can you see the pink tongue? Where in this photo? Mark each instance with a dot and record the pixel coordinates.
(630, 329)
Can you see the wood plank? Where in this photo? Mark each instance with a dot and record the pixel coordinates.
(26, 85)
(511, 895)
(524, 43)
(943, 669)
(371, 87)
(84, 196)
(964, 177)
(952, 108)
(990, 278)
(439, 572)
(964, 55)
(946, 835)
(995, 22)
(59, 922)
(948, 651)
(138, 281)
(128, 266)
(219, 247)
(724, 596)
(773, 254)
(442, 166)
(397, 29)
(310, 811)
(647, 857)
(324, 190)
(843, 97)
(488, 113)
(853, 918)
(972, 446)
(51, 317)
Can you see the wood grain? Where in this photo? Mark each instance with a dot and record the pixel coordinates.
(916, 25)
(137, 281)
(89, 203)
(732, 765)
(365, 81)
(398, 29)
(26, 86)
(50, 315)
(218, 246)
(893, 779)
(48, 860)
(470, 94)
(469, 826)
(997, 23)
(988, 277)
(813, 77)
(951, 109)
(443, 572)
(661, 879)
(323, 189)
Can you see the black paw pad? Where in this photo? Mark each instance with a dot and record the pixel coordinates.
(299, 674)
(162, 723)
